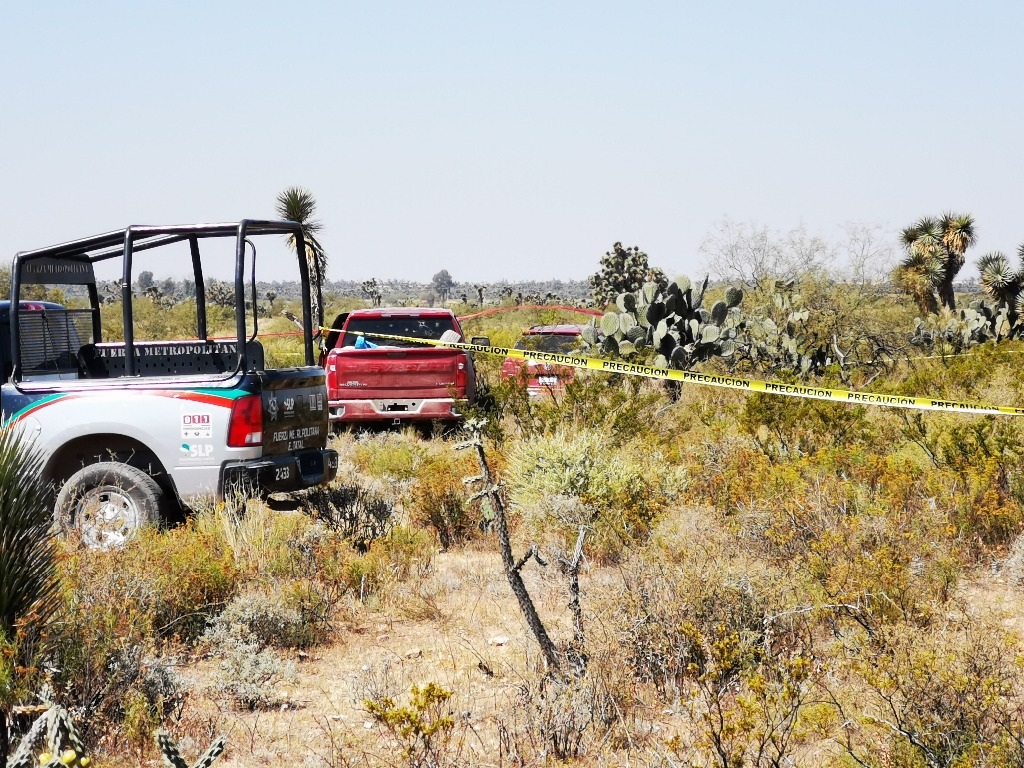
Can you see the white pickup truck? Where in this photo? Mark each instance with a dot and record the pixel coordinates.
(134, 430)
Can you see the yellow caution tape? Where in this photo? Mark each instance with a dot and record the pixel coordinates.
(713, 380)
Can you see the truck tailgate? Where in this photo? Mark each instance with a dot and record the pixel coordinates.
(384, 373)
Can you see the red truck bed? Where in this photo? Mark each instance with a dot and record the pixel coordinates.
(397, 381)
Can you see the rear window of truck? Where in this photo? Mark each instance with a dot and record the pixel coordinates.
(414, 327)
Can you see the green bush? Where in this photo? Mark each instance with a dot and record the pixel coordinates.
(561, 482)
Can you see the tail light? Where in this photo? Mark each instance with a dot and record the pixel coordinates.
(246, 426)
(461, 379)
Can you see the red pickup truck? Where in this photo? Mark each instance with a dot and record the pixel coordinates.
(375, 379)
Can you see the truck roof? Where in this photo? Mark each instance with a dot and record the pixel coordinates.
(402, 312)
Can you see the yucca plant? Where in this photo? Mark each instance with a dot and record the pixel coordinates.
(299, 205)
(935, 253)
(28, 585)
(1003, 283)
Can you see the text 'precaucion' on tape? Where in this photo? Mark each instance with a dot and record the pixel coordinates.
(715, 380)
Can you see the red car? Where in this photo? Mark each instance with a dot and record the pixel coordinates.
(544, 378)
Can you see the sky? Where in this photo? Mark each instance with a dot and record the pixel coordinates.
(510, 141)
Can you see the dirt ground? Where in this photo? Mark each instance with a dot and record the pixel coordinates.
(462, 630)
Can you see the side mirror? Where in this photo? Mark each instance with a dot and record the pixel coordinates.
(481, 341)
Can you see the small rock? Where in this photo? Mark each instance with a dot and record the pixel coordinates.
(368, 725)
(415, 653)
(498, 640)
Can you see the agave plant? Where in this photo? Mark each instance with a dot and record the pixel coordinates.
(28, 585)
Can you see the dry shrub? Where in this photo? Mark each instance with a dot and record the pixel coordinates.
(116, 608)
(943, 698)
(176, 579)
(560, 718)
(280, 615)
(619, 493)
(721, 635)
(358, 514)
(393, 455)
(253, 532)
(404, 554)
(439, 498)
(662, 611)
(789, 427)
(871, 541)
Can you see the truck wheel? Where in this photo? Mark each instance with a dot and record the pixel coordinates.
(107, 503)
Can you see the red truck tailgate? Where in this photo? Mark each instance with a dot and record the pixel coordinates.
(393, 372)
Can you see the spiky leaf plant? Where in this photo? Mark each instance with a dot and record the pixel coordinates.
(28, 584)
(935, 253)
(172, 757)
(298, 205)
(998, 278)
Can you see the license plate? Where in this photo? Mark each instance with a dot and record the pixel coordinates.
(547, 381)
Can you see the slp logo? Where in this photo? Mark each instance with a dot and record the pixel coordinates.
(197, 451)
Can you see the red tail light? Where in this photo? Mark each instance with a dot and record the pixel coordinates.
(460, 376)
(246, 426)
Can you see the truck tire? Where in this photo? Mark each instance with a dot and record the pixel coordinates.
(107, 503)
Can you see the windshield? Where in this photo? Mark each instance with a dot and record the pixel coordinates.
(415, 327)
(549, 342)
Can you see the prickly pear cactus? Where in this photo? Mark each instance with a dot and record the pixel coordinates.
(676, 328)
(977, 324)
(674, 325)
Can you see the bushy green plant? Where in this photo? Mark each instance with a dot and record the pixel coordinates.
(425, 728)
(608, 490)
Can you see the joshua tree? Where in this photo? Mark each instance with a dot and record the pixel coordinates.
(297, 204)
(936, 250)
(1002, 282)
(28, 585)
(443, 283)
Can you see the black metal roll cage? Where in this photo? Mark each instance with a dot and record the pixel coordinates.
(126, 242)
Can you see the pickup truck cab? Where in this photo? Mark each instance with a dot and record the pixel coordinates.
(539, 377)
(372, 378)
(132, 429)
